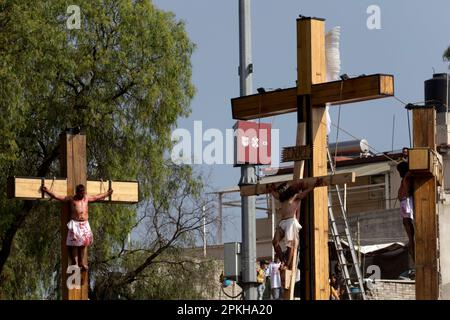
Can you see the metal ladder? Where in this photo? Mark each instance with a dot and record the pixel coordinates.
(343, 263)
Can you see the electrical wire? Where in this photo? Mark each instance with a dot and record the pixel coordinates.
(401, 101)
(370, 147)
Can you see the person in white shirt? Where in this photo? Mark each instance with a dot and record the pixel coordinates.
(275, 279)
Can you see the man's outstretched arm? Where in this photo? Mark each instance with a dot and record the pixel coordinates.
(52, 195)
(302, 194)
(100, 196)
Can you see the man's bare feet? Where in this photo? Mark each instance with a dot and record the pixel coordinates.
(84, 267)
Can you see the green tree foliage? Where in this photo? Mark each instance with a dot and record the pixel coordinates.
(125, 78)
(446, 54)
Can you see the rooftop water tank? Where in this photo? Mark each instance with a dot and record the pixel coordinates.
(350, 148)
(437, 91)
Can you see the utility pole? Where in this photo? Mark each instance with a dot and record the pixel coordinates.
(204, 230)
(248, 212)
(219, 223)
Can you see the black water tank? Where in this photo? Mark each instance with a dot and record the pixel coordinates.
(436, 91)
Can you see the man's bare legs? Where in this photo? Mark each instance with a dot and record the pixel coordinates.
(73, 255)
(82, 254)
(279, 234)
(286, 258)
(77, 256)
(290, 257)
(409, 228)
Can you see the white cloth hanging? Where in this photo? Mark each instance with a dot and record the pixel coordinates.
(333, 60)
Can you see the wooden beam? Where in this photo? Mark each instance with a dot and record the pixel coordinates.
(296, 153)
(321, 289)
(424, 127)
(424, 162)
(290, 275)
(311, 59)
(311, 70)
(285, 101)
(300, 140)
(353, 90)
(425, 212)
(124, 191)
(265, 104)
(426, 257)
(29, 189)
(73, 166)
(262, 188)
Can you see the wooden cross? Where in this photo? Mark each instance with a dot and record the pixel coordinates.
(309, 99)
(426, 166)
(73, 167)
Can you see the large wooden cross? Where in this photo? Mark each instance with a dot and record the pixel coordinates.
(73, 167)
(426, 166)
(309, 99)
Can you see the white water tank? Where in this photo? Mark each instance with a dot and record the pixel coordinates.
(350, 148)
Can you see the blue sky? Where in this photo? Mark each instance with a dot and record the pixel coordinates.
(410, 43)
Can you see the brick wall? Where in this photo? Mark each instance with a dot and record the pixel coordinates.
(393, 290)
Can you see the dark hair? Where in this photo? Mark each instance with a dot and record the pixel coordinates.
(402, 168)
(337, 268)
(286, 193)
(282, 187)
(80, 188)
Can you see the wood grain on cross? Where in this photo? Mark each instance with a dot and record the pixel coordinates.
(308, 99)
(73, 167)
(426, 167)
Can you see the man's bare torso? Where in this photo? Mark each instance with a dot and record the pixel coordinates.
(405, 186)
(79, 209)
(289, 209)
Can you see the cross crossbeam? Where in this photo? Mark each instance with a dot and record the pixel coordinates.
(25, 188)
(284, 101)
(262, 188)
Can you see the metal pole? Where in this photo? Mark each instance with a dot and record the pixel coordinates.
(219, 224)
(359, 245)
(204, 231)
(273, 218)
(248, 176)
(387, 191)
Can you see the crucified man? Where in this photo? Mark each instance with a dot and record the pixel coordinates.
(79, 236)
(289, 227)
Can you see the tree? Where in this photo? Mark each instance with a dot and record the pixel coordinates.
(446, 55)
(125, 78)
(157, 265)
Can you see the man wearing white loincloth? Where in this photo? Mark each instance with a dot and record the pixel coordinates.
(405, 195)
(79, 235)
(288, 228)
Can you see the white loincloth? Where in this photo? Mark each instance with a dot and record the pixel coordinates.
(79, 234)
(291, 228)
(406, 208)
